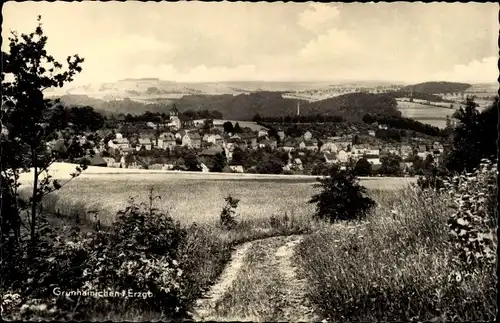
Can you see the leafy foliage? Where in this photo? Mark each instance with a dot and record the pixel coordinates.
(228, 213)
(473, 224)
(140, 252)
(30, 120)
(475, 137)
(342, 197)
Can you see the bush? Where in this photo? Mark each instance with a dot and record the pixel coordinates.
(228, 213)
(473, 223)
(342, 197)
(140, 253)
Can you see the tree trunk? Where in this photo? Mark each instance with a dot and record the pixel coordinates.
(34, 197)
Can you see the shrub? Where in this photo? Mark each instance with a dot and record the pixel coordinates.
(342, 197)
(473, 223)
(139, 253)
(228, 213)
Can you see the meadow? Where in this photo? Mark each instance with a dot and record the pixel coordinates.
(398, 265)
(190, 200)
(433, 115)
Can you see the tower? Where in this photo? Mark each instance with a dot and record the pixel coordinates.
(298, 108)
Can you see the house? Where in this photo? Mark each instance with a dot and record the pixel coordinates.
(236, 168)
(263, 132)
(250, 139)
(119, 143)
(329, 158)
(101, 146)
(271, 143)
(151, 125)
(289, 146)
(311, 144)
(297, 164)
(371, 133)
(343, 156)
(110, 161)
(281, 134)
(405, 151)
(144, 143)
(180, 134)
(192, 140)
(300, 144)
(174, 118)
(422, 151)
(186, 122)
(372, 152)
(307, 135)
(207, 156)
(359, 150)
(436, 146)
(118, 135)
(127, 150)
(374, 161)
(329, 147)
(167, 140)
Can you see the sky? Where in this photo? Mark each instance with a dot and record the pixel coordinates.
(223, 41)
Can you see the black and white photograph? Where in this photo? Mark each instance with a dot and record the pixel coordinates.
(249, 161)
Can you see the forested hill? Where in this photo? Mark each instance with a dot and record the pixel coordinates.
(436, 87)
(352, 106)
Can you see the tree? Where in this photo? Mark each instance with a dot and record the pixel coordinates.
(429, 162)
(228, 127)
(391, 165)
(474, 138)
(355, 140)
(341, 196)
(207, 125)
(257, 118)
(237, 128)
(239, 157)
(363, 167)
(28, 116)
(191, 162)
(220, 162)
(270, 166)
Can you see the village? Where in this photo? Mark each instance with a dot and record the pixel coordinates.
(164, 146)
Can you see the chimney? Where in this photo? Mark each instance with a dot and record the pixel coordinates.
(298, 108)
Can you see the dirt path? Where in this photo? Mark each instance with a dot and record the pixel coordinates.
(205, 305)
(259, 284)
(297, 307)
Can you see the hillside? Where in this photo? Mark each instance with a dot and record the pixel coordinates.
(436, 87)
(351, 106)
(114, 106)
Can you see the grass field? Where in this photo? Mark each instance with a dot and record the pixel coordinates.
(396, 266)
(433, 115)
(195, 200)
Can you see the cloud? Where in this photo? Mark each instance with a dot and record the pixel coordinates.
(333, 44)
(483, 71)
(317, 15)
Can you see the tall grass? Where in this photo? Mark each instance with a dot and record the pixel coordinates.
(396, 266)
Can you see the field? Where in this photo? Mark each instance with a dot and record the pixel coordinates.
(190, 196)
(195, 200)
(433, 115)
